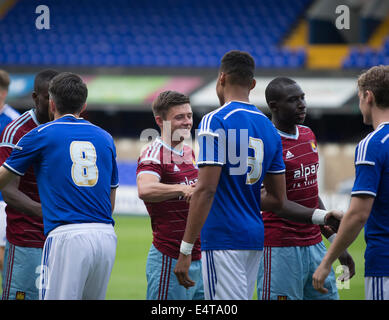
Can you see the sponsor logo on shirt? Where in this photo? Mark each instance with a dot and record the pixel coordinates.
(305, 171)
(289, 155)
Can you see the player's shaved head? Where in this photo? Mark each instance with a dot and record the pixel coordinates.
(68, 92)
(239, 66)
(43, 78)
(275, 88)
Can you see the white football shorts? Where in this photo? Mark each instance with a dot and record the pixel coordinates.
(3, 223)
(377, 288)
(77, 261)
(230, 274)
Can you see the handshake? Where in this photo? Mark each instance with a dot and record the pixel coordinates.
(329, 218)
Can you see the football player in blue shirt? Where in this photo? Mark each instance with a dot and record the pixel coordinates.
(239, 149)
(369, 205)
(75, 166)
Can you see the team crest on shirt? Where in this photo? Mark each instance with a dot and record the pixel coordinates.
(194, 164)
(313, 146)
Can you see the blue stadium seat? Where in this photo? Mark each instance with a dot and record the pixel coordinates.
(173, 33)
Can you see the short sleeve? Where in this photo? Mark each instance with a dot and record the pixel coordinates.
(115, 174)
(149, 162)
(24, 154)
(212, 142)
(368, 166)
(277, 165)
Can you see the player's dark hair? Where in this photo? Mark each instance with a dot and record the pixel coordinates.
(43, 77)
(376, 79)
(4, 80)
(166, 100)
(69, 92)
(274, 89)
(239, 66)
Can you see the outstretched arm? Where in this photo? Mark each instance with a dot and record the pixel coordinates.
(352, 223)
(273, 198)
(199, 208)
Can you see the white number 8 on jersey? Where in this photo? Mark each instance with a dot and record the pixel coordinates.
(84, 170)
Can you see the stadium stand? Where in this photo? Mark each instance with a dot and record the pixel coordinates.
(366, 57)
(175, 33)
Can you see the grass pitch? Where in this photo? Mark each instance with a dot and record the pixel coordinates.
(128, 279)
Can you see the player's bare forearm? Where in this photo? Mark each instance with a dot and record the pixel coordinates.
(112, 197)
(151, 190)
(6, 177)
(350, 226)
(273, 195)
(201, 202)
(198, 212)
(273, 198)
(20, 201)
(352, 223)
(295, 212)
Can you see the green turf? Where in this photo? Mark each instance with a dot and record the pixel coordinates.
(128, 279)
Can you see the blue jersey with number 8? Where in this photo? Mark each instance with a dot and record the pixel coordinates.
(75, 166)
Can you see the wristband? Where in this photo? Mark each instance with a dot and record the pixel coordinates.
(186, 248)
(331, 238)
(319, 216)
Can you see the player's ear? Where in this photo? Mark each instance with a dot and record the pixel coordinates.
(370, 98)
(34, 96)
(83, 108)
(222, 78)
(273, 106)
(159, 121)
(52, 106)
(253, 83)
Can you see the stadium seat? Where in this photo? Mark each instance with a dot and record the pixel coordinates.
(176, 33)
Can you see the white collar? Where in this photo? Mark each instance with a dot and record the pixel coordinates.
(288, 135)
(179, 152)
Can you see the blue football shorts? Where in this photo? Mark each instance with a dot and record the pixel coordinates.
(286, 273)
(21, 272)
(162, 283)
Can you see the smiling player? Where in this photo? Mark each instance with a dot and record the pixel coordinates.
(166, 176)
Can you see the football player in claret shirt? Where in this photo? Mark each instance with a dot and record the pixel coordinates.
(25, 238)
(293, 250)
(77, 199)
(166, 177)
(369, 205)
(7, 114)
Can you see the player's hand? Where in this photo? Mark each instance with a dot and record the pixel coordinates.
(188, 192)
(320, 276)
(348, 265)
(181, 271)
(333, 219)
